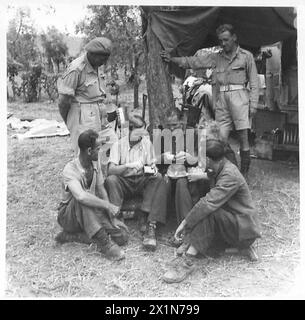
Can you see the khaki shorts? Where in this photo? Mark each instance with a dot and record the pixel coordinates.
(232, 109)
(87, 116)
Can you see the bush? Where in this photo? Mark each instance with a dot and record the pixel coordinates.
(49, 84)
(31, 84)
(12, 71)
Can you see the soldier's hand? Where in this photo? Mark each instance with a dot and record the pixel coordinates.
(117, 223)
(180, 157)
(166, 57)
(113, 209)
(154, 167)
(168, 157)
(192, 177)
(179, 231)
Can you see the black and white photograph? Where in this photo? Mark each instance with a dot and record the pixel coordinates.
(152, 151)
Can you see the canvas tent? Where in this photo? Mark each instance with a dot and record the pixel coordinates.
(184, 30)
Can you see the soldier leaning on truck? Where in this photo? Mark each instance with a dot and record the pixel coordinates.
(233, 70)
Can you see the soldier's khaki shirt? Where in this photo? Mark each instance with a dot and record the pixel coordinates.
(82, 81)
(122, 153)
(73, 171)
(88, 108)
(240, 69)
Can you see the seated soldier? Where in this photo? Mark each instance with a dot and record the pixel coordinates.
(197, 183)
(126, 177)
(225, 217)
(85, 206)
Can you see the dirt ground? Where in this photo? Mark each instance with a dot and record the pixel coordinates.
(37, 267)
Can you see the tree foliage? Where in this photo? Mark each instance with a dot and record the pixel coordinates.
(121, 24)
(55, 48)
(22, 39)
(30, 84)
(25, 56)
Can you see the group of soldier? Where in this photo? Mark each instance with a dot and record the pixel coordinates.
(212, 200)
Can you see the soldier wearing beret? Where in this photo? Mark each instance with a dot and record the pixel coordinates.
(82, 92)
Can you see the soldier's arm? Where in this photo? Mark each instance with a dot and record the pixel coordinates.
(114, 166)
(116, 169)
(85, 197)
(195, 62)
(102, 193)
(67, 85)
(100, 187)
(214, 199)
(253, 82)
(64, 104)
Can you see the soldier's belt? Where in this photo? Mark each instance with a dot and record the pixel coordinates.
(91, 102)
(231, 87)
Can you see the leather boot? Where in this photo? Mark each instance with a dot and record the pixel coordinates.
(64, 236)
(149, 241)
(106, 246)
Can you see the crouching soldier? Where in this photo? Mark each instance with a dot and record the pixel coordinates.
(225, 217)
(85, 213)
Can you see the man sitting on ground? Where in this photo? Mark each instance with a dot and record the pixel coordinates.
(85, 207)
(225, 217)
(197, 183)
(126, 177)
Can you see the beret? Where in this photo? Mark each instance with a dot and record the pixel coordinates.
(100, 45)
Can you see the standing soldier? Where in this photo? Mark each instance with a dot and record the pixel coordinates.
(233, 70)
(81, 93)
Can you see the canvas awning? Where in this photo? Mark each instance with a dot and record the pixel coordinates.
(184, 30)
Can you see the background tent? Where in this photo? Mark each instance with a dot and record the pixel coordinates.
(184, 30)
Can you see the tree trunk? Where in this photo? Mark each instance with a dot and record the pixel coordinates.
(136, 83)
(136, 93)
(159, 90)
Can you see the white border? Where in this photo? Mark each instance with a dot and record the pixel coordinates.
(299, 290)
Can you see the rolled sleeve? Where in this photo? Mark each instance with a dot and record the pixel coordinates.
(69, 174)
(216, 198)
(207, 60)
(67, 84)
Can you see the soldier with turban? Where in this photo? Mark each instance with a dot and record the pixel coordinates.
(82, 93)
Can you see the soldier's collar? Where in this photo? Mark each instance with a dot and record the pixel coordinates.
(89, 66)
(237, 51)
(233, 57)
(223, 162)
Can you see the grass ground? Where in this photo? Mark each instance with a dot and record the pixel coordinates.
(37, 267)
